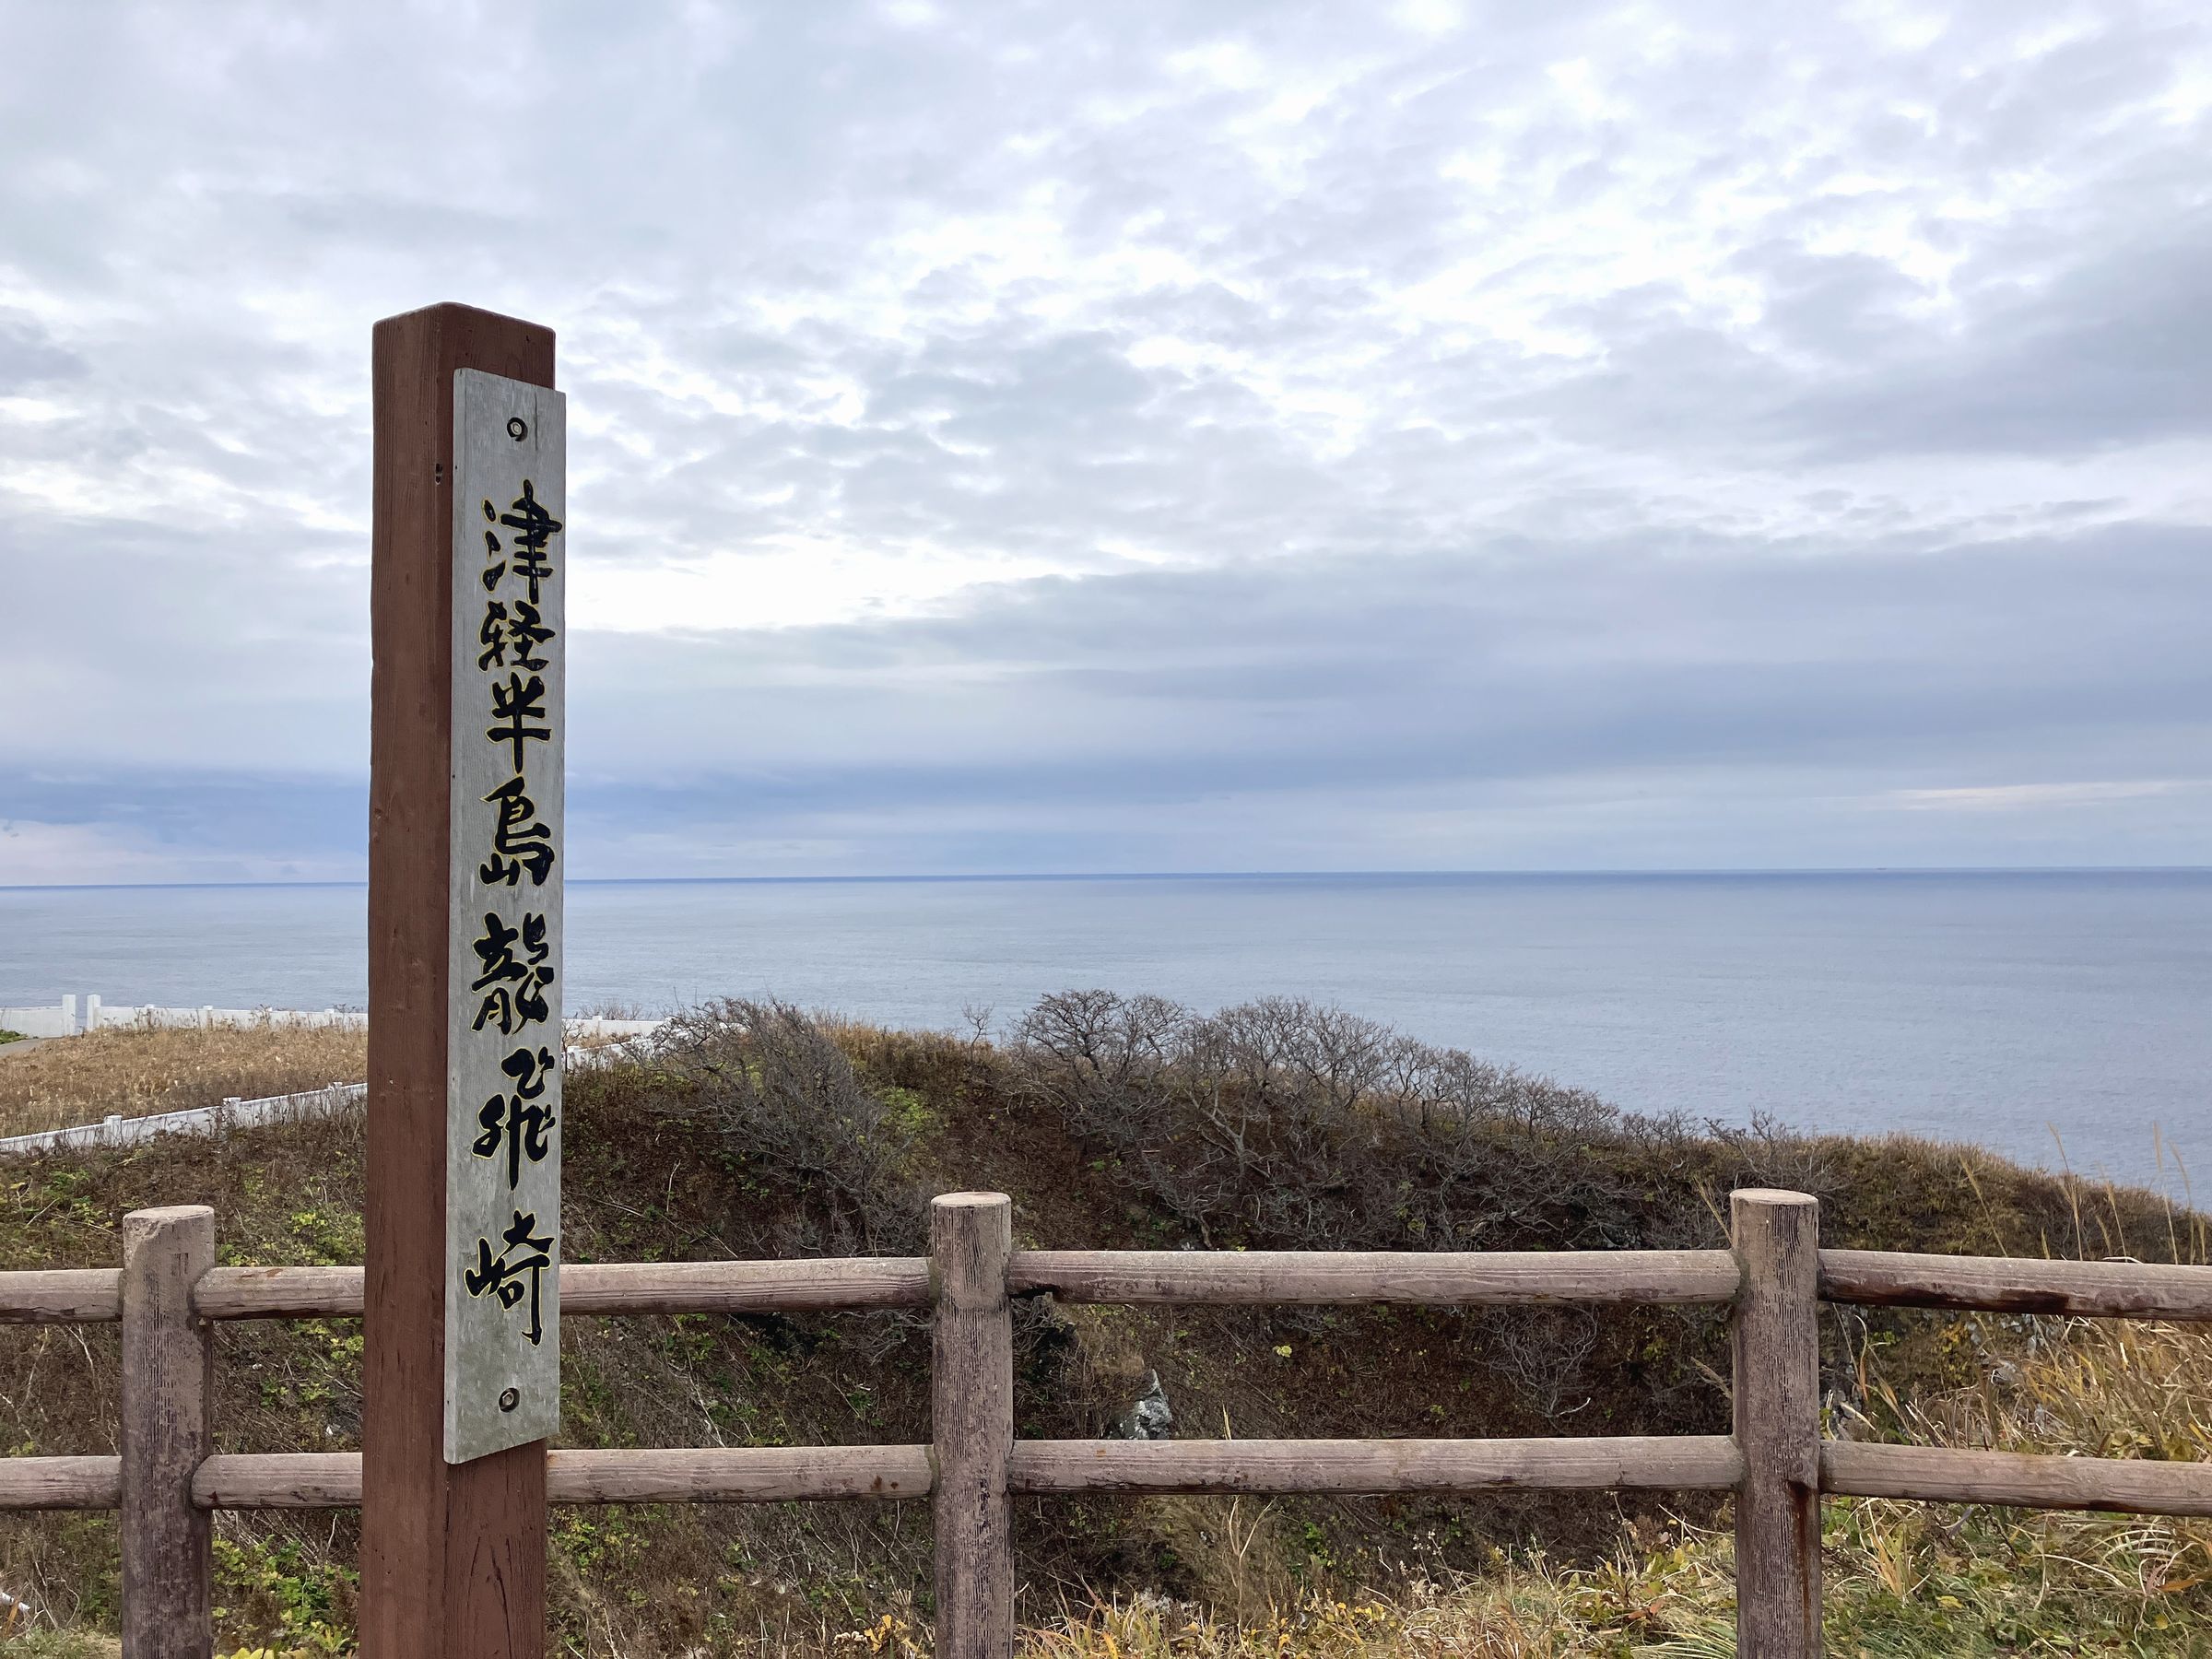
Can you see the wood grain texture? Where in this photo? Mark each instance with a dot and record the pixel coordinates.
(61, 1482)
(1872, 1278)
(287, 1480)
(1934, 1474)
(1776, 1344)
(453, 1556)
(972, 1234)
(281, 1293)
(1681, 1463)
(721, 1475)
(495, 1554)
(782, 1474)
(63, 1296)
(591, 1288)
(744, 1287)
(167, 1398)
(1284, 1278)
(740, 1475)
(1885, 1278)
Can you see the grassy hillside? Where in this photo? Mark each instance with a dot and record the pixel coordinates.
(139, 1070)
(756, 1131)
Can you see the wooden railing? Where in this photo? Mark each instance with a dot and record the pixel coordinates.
(167, 1479)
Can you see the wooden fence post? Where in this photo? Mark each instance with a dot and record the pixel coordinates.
(168, 1361)
(971, 1236)
(1777, 1385)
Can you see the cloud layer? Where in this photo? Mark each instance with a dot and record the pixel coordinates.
(1163, 437)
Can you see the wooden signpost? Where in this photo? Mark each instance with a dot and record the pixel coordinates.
(462, 1317)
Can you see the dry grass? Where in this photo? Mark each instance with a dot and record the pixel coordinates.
(57, 1644)
(1903, 1579)
(135, 1071)
(656, 1174)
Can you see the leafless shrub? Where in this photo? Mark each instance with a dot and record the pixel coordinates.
(1542, 1352)
(1768, 1153)
(825, 1156)
(1298, 1124)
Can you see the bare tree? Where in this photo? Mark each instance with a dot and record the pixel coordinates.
(827, 1157)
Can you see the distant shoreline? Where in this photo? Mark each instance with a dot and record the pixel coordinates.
(1886, 872)
(1983, 1007)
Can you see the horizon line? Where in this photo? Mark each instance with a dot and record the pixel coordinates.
(1685, 871)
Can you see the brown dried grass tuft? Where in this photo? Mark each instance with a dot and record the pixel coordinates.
(1904, 1580)
(135, 1071)
(657, 1174)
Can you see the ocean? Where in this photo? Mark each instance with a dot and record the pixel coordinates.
(2045, 1014)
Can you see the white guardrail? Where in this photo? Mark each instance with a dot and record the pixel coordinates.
(60, 1019)
(119, 1131)
(116, 1130)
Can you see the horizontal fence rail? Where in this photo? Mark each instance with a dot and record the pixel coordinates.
(94, 1296)
(786, 1473)
(710, 1475)
(62, 1296)
(2003, 1285)
(1288, 1277)
(2023, 1480)
(975, 1462)
(61, 1482)
(1374, 1468)
(1191, 1279)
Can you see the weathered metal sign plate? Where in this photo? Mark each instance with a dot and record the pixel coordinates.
(503, 1025)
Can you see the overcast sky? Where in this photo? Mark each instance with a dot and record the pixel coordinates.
(1141, 437)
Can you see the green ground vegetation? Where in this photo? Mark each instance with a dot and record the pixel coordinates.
(756, 1130)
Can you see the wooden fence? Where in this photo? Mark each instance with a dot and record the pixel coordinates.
(168, 1480)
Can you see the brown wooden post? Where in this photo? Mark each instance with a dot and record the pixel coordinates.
(971, 1236)
(168, 1364)
(452, 1556)
(1777, 1387)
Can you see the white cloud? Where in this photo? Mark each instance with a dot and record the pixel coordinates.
(2029, 797)
(879, 319)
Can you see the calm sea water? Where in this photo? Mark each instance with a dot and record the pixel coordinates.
(1998, 1008)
